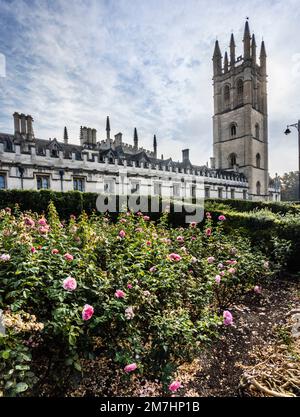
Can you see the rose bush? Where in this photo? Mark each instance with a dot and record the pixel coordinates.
(140, 293)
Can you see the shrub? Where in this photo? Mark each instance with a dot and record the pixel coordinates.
(137, 292)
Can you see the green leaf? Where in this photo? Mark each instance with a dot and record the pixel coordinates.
(77, 366)
(22, 367)
(5, 354)
(21, 387)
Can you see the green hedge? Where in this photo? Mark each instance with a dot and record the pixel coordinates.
(260, 221)
(248, 205)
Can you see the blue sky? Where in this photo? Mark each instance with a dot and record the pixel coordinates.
(145, 63)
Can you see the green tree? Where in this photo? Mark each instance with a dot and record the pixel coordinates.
(289, 186)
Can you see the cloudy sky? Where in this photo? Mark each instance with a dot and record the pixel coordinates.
(145, 63)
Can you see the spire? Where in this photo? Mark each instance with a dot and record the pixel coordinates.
(262, 58)
(225, 62)
(217, 59)
(135, 139)
(66, 138)
(253, 49)
(232, 51)
(107, 128)
(246, 40)
(155, 146)
(81, 135)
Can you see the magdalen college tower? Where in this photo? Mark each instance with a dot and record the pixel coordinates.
(240, 121)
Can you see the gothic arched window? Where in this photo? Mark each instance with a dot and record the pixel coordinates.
(258, 160)
(257, 131)
(258, 187)
(226, 97)
(232, 130)
(232, 160)
(240, 91)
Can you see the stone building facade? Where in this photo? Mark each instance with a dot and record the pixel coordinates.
(240, 121)
(238, 169)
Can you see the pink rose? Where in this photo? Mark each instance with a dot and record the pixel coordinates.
(210, 259)
(87, 312)
(222, 218)
(193, 238)
(174, 257)
(131, 367)
(32, 250)
(44, 230)
(148, 243)
(122, 234)
(123, 220)
(222, 273)
(218, 279)
(138, 229)
(174, 386)
(180, 239)
(208, 215)
(42, 222)
(152, 269)
(120, 294)
(220, 266)
(193, 260)
(146, 293)
(55, 251)
(257, 289)
(139, 213)
(5, 257)
(193, 224)
(29, 222)
(72, 217)
(208, 232)
(69, 284)
(146, 218)
(228, 319)
(129, 286)
(231, 270)
(68, 257)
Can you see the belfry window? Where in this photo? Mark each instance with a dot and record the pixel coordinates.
(258, 188)
(257, 131)
(258, 160)
(232, 160)
(240, 92)
(233, 130)
(226, 97)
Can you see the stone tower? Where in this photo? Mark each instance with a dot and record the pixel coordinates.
(240, 121)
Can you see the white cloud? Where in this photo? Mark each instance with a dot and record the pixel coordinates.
(144, 63)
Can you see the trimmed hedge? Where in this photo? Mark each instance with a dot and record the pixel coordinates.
(259, 221)
(248, 205)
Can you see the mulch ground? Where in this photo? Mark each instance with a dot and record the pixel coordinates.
(257, 323)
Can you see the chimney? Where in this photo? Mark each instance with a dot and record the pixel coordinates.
(89, 135)
(23, 124)
(185, 155)
(94, 136)
(118, 139)
(30, 134)
(84, 135)
(16, 117)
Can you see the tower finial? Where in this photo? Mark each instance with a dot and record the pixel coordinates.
(135, 139)
(262, 58)
(107, 128)
(225, 62)
(253, 49)
(246, 40)
(155, 146)
(66, 138)
(217, 59)
(232, 51)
